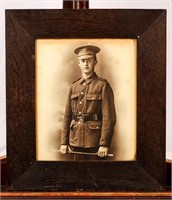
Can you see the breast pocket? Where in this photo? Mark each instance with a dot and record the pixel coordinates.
(93, 102)
(74, 101)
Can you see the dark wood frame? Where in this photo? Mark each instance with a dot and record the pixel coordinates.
(147, 173)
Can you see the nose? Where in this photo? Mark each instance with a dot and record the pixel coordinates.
(86, 62)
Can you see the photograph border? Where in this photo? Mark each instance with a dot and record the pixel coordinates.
(147, 173)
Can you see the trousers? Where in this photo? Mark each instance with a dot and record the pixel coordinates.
(86, 150)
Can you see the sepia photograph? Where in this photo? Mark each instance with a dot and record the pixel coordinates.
(86, 99)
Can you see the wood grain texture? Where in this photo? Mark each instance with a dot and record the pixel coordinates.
(151, 99)
(87, 195)
(104, 176)
(20, 93)
(85, 23)
(23, 27)
(119, 195)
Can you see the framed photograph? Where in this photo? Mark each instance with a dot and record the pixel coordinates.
(56, 107)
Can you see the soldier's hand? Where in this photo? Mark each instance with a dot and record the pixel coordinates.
(102, 152)
(64, 149)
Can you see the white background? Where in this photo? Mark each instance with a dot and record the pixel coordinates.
(119, 4)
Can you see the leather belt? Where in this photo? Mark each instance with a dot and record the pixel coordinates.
(86, 117)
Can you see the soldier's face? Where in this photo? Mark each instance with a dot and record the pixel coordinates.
(87, 65)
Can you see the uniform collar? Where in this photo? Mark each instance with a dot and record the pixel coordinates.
(89, 79)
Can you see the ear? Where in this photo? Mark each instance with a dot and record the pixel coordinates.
(78, 61)
(95, 62)
(79, 65)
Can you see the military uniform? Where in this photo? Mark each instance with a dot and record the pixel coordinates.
(90, 116)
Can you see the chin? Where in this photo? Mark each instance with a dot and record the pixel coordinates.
(87, 72)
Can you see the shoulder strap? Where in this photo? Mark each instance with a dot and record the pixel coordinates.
(76, 80)
(102, 79)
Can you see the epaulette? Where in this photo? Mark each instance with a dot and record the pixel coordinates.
(102, 79)
(76, 80)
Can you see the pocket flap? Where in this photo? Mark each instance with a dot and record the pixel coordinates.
(95, 125)
(75, 95)
(93, 97)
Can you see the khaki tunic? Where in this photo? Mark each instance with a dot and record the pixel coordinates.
(91, 96)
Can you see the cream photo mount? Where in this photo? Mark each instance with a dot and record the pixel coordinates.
(147, 171)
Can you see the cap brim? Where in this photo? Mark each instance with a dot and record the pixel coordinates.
(94, 48)
(85, 57)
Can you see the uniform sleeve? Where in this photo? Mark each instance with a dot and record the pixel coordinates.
(66, 121)
(108, 115)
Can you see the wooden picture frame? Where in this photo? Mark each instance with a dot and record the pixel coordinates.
(25, 173)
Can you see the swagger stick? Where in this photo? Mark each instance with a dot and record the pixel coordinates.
(76, 4)
(83, 153)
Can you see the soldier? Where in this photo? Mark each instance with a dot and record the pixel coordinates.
(90, 116)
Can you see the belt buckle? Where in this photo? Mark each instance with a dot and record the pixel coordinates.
(81, 117)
